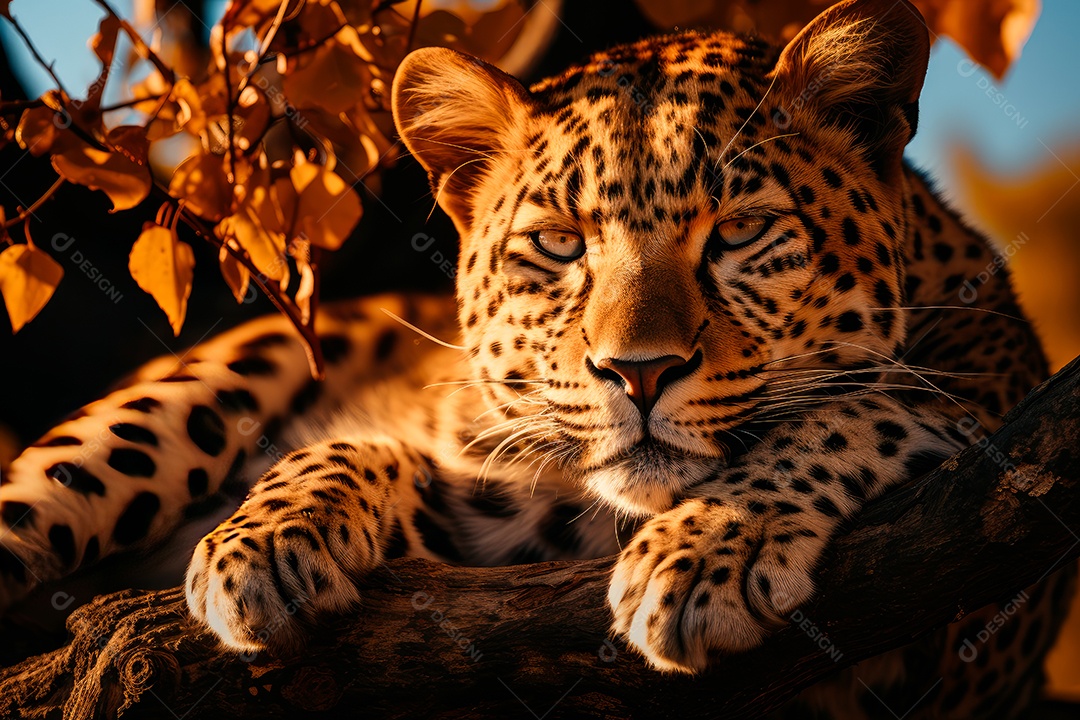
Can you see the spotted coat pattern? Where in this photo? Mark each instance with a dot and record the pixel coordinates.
(712, 409)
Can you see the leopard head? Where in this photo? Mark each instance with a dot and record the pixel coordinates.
(677, 241)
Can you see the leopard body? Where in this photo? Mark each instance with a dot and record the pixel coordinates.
(712, 411)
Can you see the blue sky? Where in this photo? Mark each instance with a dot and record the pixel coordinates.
(1006, 123)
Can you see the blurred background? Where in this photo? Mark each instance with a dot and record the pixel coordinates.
(1005, 151)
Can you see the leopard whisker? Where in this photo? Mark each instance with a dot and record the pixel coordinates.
(420, 332)
(954, 307)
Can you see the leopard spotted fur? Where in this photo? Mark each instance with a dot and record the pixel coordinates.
(701, 300)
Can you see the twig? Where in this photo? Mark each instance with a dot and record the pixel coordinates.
(412, 26)
(17, 106)
(145, 50)
(37, 56)
(271, 33)
(21, 217)
(133, 102)
(230, 166)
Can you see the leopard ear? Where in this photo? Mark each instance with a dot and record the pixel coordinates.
(861, 63)
(454, 112)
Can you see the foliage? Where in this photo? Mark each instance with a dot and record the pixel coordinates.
(290, 114)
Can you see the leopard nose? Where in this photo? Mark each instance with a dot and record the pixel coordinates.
(644, 380)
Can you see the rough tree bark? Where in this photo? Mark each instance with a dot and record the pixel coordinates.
(440, 641)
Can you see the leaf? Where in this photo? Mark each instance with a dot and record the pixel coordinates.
(28, 278)
(305, 291)
(130, 141)
(164, 267)
(992, 33)
(41, 130)
(104, 46)
(200, 181)
(328, 208)
(236, 275)
(126, 183)
(251, 116)
(333, 77)
(255, 228)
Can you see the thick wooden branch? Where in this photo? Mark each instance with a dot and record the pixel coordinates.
(440, 641)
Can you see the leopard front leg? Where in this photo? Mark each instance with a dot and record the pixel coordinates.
(297, 548)
(737, 556)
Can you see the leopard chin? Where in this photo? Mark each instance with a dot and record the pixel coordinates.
(648, 478)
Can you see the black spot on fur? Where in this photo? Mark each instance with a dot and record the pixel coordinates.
(16, 514)
(492, 503)
(835, 442)
(334, 347)
(384, 346)
(62, 541)
(198, 482)
(76, 478)
(207, 430)
(266, 341)
(851, 232)
(306, 398)
(435, 538)
(131, 462)
(143, 405)
(136, 519)
(826, 506)
(239, 400)
(253, 365)
(559, 529)
(134, 433)
(849, 321)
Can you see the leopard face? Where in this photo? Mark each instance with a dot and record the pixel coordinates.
(672, 244)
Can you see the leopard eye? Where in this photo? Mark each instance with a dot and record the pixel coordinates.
(559, 244)
(740, 231)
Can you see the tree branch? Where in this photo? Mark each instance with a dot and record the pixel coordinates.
(477, 642)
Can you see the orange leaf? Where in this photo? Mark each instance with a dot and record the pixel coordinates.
(236, 275)
(200, 180)
(104, 46)
(130, 141)
(40, 129)
(992, 33)
(305, 291)
(126, 183)
(328, 209)
(28, 278)
(333, 77)
(254, 228)
(163, 266)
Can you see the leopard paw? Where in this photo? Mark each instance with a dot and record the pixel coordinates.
(707, 576)
(259, 584)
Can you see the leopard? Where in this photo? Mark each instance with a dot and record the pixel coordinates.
(705, 312)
